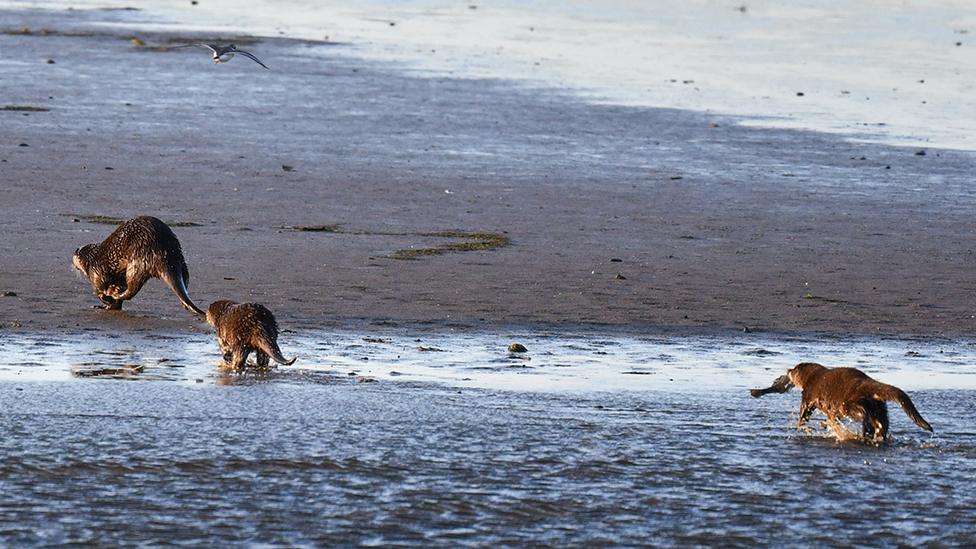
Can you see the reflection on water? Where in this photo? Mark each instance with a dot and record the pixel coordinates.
(554, 361)
(434, 453)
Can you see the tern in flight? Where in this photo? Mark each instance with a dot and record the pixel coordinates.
(223, 54)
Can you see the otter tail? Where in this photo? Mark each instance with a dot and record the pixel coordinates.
(894, 393)
(271, 349)
(176, 279)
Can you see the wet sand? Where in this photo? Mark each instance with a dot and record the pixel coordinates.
(714, 225)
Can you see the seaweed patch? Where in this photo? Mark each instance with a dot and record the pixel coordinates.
(463, 241)
(24, 108)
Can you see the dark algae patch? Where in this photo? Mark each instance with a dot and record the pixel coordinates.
(313, 228)
(109, 220)
(464, 241)
(99, 219)
(822, 299)
(166, 43)
(469, 242)
(24, 108)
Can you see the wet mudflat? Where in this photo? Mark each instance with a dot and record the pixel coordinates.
(451, 441)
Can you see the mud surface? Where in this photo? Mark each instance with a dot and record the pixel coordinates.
(714, 224)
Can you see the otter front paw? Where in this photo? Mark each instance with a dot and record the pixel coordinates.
(109, 303)
(116, 292)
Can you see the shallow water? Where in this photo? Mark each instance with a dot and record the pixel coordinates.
(595, 438)
(879, 71)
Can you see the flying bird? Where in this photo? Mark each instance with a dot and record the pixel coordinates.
(223, 54)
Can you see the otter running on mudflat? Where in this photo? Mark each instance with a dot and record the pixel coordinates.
(137, 250)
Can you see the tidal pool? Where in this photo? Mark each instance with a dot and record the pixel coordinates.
(441, 438)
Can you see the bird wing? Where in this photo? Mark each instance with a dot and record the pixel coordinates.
(251, 57)
(213, 49)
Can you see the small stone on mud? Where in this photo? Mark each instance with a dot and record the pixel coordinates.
(138, 42)
(287, 168)
(23, 145)
(616, 260)
(366, 379)
(517, 348)
(9, 294)
(50, 61)
(800, 94)
(920, 153)
(620, 277)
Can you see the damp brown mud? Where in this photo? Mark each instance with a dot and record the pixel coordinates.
(590, 213)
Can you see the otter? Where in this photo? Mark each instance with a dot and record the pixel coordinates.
(844, 392)
(245, 327)
(137, 250)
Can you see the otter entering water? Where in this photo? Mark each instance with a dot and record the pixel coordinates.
(137, 250)
(245, 327)
(844, 392)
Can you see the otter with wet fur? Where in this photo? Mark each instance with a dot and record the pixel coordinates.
(844, 392)
(245, 327)
(137, 250)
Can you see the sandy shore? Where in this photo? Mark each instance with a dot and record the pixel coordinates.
(714, 225)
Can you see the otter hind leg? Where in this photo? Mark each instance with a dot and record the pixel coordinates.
(868, 428)
(262, 358)
(135, 279)
(238, 357)
(874, 423)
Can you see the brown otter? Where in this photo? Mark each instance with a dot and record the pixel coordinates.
(844, 392)
(137, 250)
(245, 327)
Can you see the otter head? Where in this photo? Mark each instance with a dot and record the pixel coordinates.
(800, 374)
(216, 310)
(82, 258)
(85, 261)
